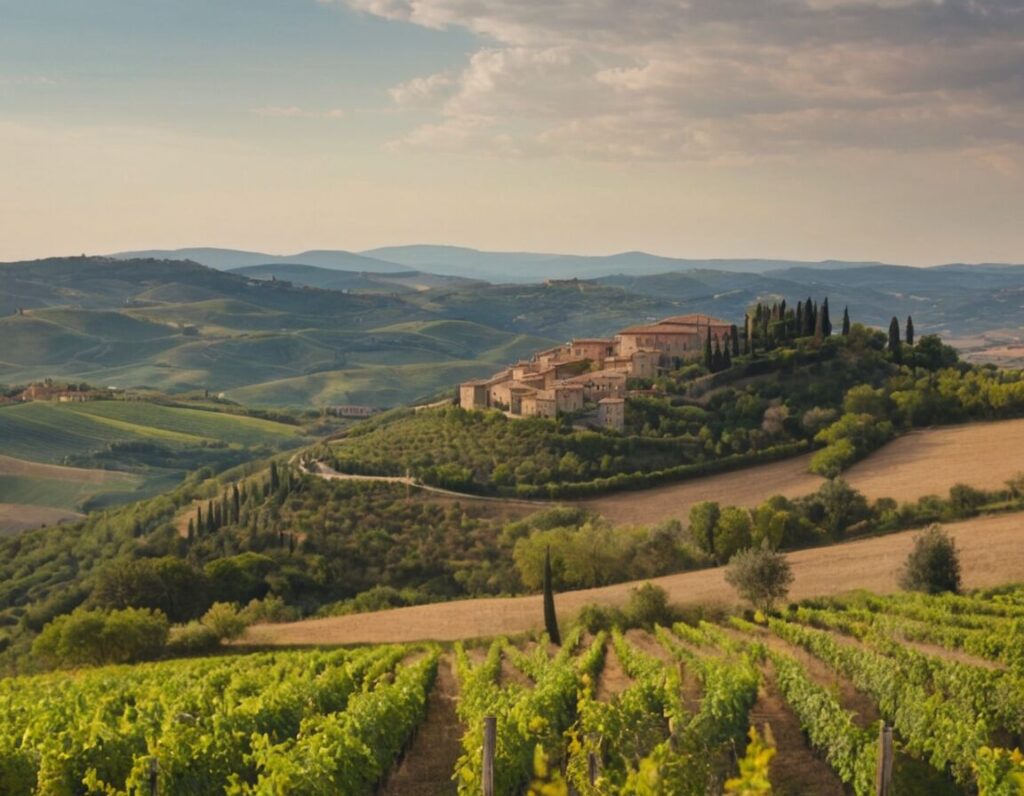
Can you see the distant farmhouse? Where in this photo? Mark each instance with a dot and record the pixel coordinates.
(593, 370)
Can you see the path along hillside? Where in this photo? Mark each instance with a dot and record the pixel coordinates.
(992, 553)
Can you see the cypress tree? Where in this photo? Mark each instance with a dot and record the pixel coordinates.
(726, 358)
(808, 317)
(708, 360)
(826, 321)
(799, 319)
(550, 619)
(846, 321)
(199, 518)
(748, 332)
(236, 502)
(819, 326)
(191, 530)
(275, 480)
(910, 330)
(716, 357)
(894, 336)
(210, 519)
(734, 333)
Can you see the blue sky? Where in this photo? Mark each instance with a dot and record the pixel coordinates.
(861, 129)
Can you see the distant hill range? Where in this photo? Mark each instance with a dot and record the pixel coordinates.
(484, 265)
(338, 332)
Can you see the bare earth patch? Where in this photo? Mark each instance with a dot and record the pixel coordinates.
(926, 462)
(992, 553)
(16, 517)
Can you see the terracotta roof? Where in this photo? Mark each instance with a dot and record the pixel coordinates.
(612, 401)
(663, 329)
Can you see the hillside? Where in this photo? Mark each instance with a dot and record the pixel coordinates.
(119, 451)
(991, 554)
(179, 326)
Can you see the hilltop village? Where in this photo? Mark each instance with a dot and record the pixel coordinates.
(562, 379)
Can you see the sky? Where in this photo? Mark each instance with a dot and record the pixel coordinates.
(887, 130)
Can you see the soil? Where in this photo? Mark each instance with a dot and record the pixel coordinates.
(427, 766)
(613, 679)
(795, 770)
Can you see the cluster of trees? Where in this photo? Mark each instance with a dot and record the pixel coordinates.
(768, 326)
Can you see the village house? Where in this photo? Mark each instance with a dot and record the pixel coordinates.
(566, 378)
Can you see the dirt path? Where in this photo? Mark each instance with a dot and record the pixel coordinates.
(613, 679)
(428, 765)
(864, 709)
(795, 770)
(925, 462)
(991, 553)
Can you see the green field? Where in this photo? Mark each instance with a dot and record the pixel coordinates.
(147, 447)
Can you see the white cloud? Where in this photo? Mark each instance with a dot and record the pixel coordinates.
(684, 79)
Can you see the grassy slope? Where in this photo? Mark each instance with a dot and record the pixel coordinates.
(43, 432)
(990, 547)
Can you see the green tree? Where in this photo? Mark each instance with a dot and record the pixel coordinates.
(708, 354)
(837, 506)
(933, 565)
(894, 337)
(732, 533)
(98, 637)
(910, 330)
(761, 576)
(826, 321)
(734, 336)
(166, 584)
(846, 321)
(550, 618)
(703, 519)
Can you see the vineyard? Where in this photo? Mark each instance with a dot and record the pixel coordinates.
(789, 704)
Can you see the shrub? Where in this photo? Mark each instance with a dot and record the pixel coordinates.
(933, 565)
(760, 576)
(192, 639)
(99, 637)
(648, 606)
(594, 618)
(225, 620)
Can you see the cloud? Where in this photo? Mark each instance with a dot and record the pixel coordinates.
(707, 79)
(295, 112)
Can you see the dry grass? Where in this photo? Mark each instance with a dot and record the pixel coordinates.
(17, 517)
(11, 466)
(992, 553)
(927, 462)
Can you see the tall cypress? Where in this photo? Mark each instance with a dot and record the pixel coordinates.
(236, 502)
(734, 333)
(275, 480)
(910, 330)
(808, 318)
(550, 619)
(200, 527)
(819, 326)
(846, 321)
(191, 529)
(826, 321)
(716, 357)
(708, 358)
(894, 336)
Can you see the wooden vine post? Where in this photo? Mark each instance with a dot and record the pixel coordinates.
(490, 744)
(883, 775)
(154, 772)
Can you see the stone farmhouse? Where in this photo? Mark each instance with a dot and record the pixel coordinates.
(592, 370)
